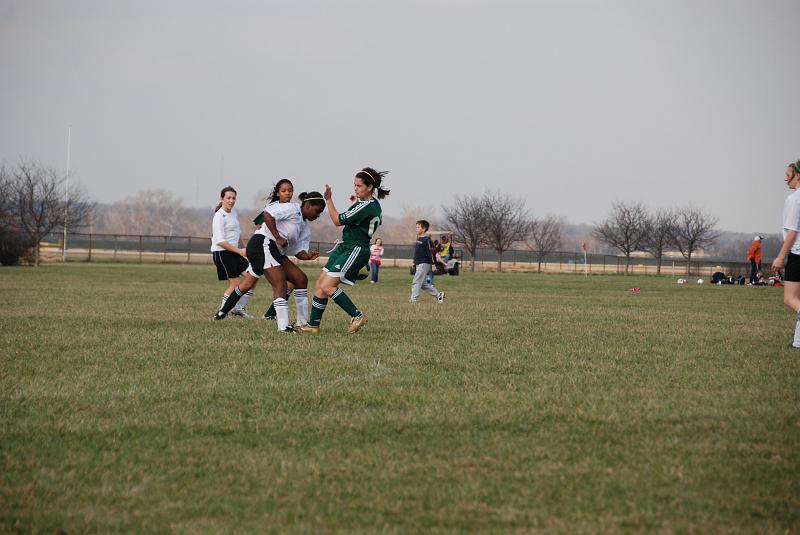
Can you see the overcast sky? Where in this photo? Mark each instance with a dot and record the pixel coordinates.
(570, 105)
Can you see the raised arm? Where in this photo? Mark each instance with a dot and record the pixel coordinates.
(331, 208)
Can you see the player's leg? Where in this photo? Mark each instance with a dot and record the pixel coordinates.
(358, 258)
(296, 278)
(241, 307)
(277, 278)
(238, 291)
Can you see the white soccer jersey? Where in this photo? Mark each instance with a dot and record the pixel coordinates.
(290, 225)
(225, 227)
(791, 218)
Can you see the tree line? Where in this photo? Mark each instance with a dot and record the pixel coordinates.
(34, 202)
(498, 221)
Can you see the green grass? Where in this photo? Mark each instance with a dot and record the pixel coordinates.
(551, 403)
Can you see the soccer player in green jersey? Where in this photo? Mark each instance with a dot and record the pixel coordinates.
(352, 254)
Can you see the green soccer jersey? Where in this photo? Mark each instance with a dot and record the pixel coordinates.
(360, 221)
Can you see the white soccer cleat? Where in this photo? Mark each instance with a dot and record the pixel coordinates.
(242, 313)
(440, 297)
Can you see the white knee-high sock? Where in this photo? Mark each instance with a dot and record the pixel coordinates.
(281, 313)
(301, 300)
(224, 298)
(242, 304)
(796, 341)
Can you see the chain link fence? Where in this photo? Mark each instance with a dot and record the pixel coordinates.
(95, 247)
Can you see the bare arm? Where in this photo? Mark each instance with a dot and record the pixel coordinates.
(780, 260)
(269, 221)
(331, 208)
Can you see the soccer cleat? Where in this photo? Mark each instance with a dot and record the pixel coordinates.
(306, 328)
(440, 297)
(356, 324)
(242, 313)
(268, 317)
(218, 315)
(288, 330)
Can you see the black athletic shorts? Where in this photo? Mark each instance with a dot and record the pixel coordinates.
(262, 254)
(792, 268)
(229, 265)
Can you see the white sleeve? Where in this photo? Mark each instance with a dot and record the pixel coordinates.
(218, 228)
(792, 219)
(280, 211)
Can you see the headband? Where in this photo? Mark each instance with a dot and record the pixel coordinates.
(369, 175)
(313, 199)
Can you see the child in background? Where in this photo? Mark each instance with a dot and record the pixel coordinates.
(375, 254)
(424, 260)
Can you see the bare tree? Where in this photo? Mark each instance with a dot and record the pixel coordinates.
(13, 243)
(38, 202)
(545, 237)
(466, 217)
(659, 230)
(624, 229)
(507, 221)
(152, 212)
(693, 231)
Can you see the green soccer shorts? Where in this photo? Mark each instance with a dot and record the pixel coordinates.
(346, 261)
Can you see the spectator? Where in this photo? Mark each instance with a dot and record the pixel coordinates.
(446, 249)
(375, 255)
(754, 256)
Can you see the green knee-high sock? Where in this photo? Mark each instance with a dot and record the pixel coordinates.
(317, 308)
(341, 299)
(270, 313)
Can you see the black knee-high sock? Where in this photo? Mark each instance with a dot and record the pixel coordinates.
(236, 294)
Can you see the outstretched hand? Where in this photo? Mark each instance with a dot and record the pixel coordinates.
(327, 194)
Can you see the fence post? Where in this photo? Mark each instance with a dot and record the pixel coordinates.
(90, 247)
(189, 254)
(560, 263)
(165, 250)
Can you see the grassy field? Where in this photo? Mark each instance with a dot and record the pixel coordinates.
(551, 403)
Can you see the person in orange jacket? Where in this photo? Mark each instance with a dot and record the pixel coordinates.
(754, 256)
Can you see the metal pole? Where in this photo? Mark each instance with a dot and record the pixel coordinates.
(66, 197)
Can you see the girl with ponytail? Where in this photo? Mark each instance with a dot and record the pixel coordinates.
(360, 222)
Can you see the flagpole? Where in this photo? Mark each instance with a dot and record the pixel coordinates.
(585, 264)
(66, 196)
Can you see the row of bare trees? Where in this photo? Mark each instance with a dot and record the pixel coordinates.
(33, 203)
(499, 221)
(631, 227)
